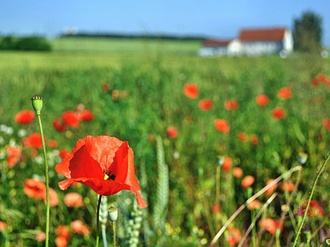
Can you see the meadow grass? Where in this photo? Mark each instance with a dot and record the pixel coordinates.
(150, 78)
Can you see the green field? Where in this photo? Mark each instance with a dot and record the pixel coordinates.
(145, 96)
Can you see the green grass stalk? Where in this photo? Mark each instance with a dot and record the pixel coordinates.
(318, 174)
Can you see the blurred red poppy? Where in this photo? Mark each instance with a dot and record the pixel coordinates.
(103, 163)
(262, 100)
(33, 141)
(71, 119)
(237, 172)
(247, 181)
(190, 90)
(86, 115)
(222, 126)
(231, 105)
(52, 143)
(41, 236)
(233, 236)
(271, 225)
(326, 124)
(287, 186)
(3, 226)
(59, 126)
(35, 188)
(278, 113)
(172, 132)
(62, 153)
(284, 93)
(61, 241)
(24, 117)
(255, 204)
(14, 155)
(105, 87)
(79, 227)
(271, 189)
(63, 231)
(243, 137)
(205, 104)
(315, 210)
(216, 208)
(254, 139)
(227, 163)
(73, 200)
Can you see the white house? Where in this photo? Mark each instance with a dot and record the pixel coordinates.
(251, 42)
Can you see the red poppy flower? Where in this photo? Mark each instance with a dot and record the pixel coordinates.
(172, 132)
(14, 155)
(63, 231)
(52, 143)
(190, 90)
(315, 210)
(278, 113)
(271, 189)
(247, 181)
(216, 208)
(287, 186)
(71, 119)
(231, 105)
(243, 137)
(271, 225)
(41, 236)
(254, 139)
(233, 236)
(227, 163)
(3, 226)
(323, 78)
(33, 141)
(59, 126)
(62, 153)
(86, 115)
(103, 163)
(105, 87)
(326, 124)
(262, 100)
(222, 126)
(34, 188)
(24, 117)
(79, 227)
(284, 93)
(237, 172)
(255, 204)
(73, 200)
(205, 104)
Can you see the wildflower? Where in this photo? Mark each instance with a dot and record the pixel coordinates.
(63, 153)
(41, 236)
(24, 117)
(216, 208)
(33, 141)
(237, 172)
(79, 227)
(243, 137)
(254, 139)
(63, 231)
(71, 119)
(107, 167)
(233, 236)
(271, 225)
(59, 126)
(172, 132)
(3, 226)
(52, 143)
(284, 93)
(73, 200)
(271, 189)
(278, 113)
(222, 126)
(227, 163)
(105, 87)
(35, 188)
(247, 181)
(61, 241)
(190, 90)
(287, 186)
(53, 197)
(326, 124)
(262, 100)
(14, 155)
(231, 105)
(255, 204)
(315, 210)
(86, 115)
(205, 104)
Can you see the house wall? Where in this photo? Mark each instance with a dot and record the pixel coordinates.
(261, 47)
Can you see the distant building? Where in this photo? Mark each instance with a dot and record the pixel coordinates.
(251, 42)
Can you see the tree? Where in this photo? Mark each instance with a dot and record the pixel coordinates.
(307, 33)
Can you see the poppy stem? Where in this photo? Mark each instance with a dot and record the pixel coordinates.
(318, 174)
(98, 221)
(37, 105)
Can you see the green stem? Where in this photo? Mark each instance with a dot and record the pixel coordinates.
(98, 222)
(318, 174)
(46, 177)
(114, 229)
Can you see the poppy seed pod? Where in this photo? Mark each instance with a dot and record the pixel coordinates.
(37, 103)
(113, 213)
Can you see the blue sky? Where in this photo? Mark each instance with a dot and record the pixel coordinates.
(211, 18)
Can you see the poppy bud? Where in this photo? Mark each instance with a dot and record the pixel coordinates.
(37, 103)
(326, 242)
(302, 158)
(113, 213)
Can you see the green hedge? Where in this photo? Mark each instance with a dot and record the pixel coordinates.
(32, 43)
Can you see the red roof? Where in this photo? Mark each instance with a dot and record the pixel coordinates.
(216, 42)
(269, 34)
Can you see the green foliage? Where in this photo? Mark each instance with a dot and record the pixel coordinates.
(307, 32)
(33, 43)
